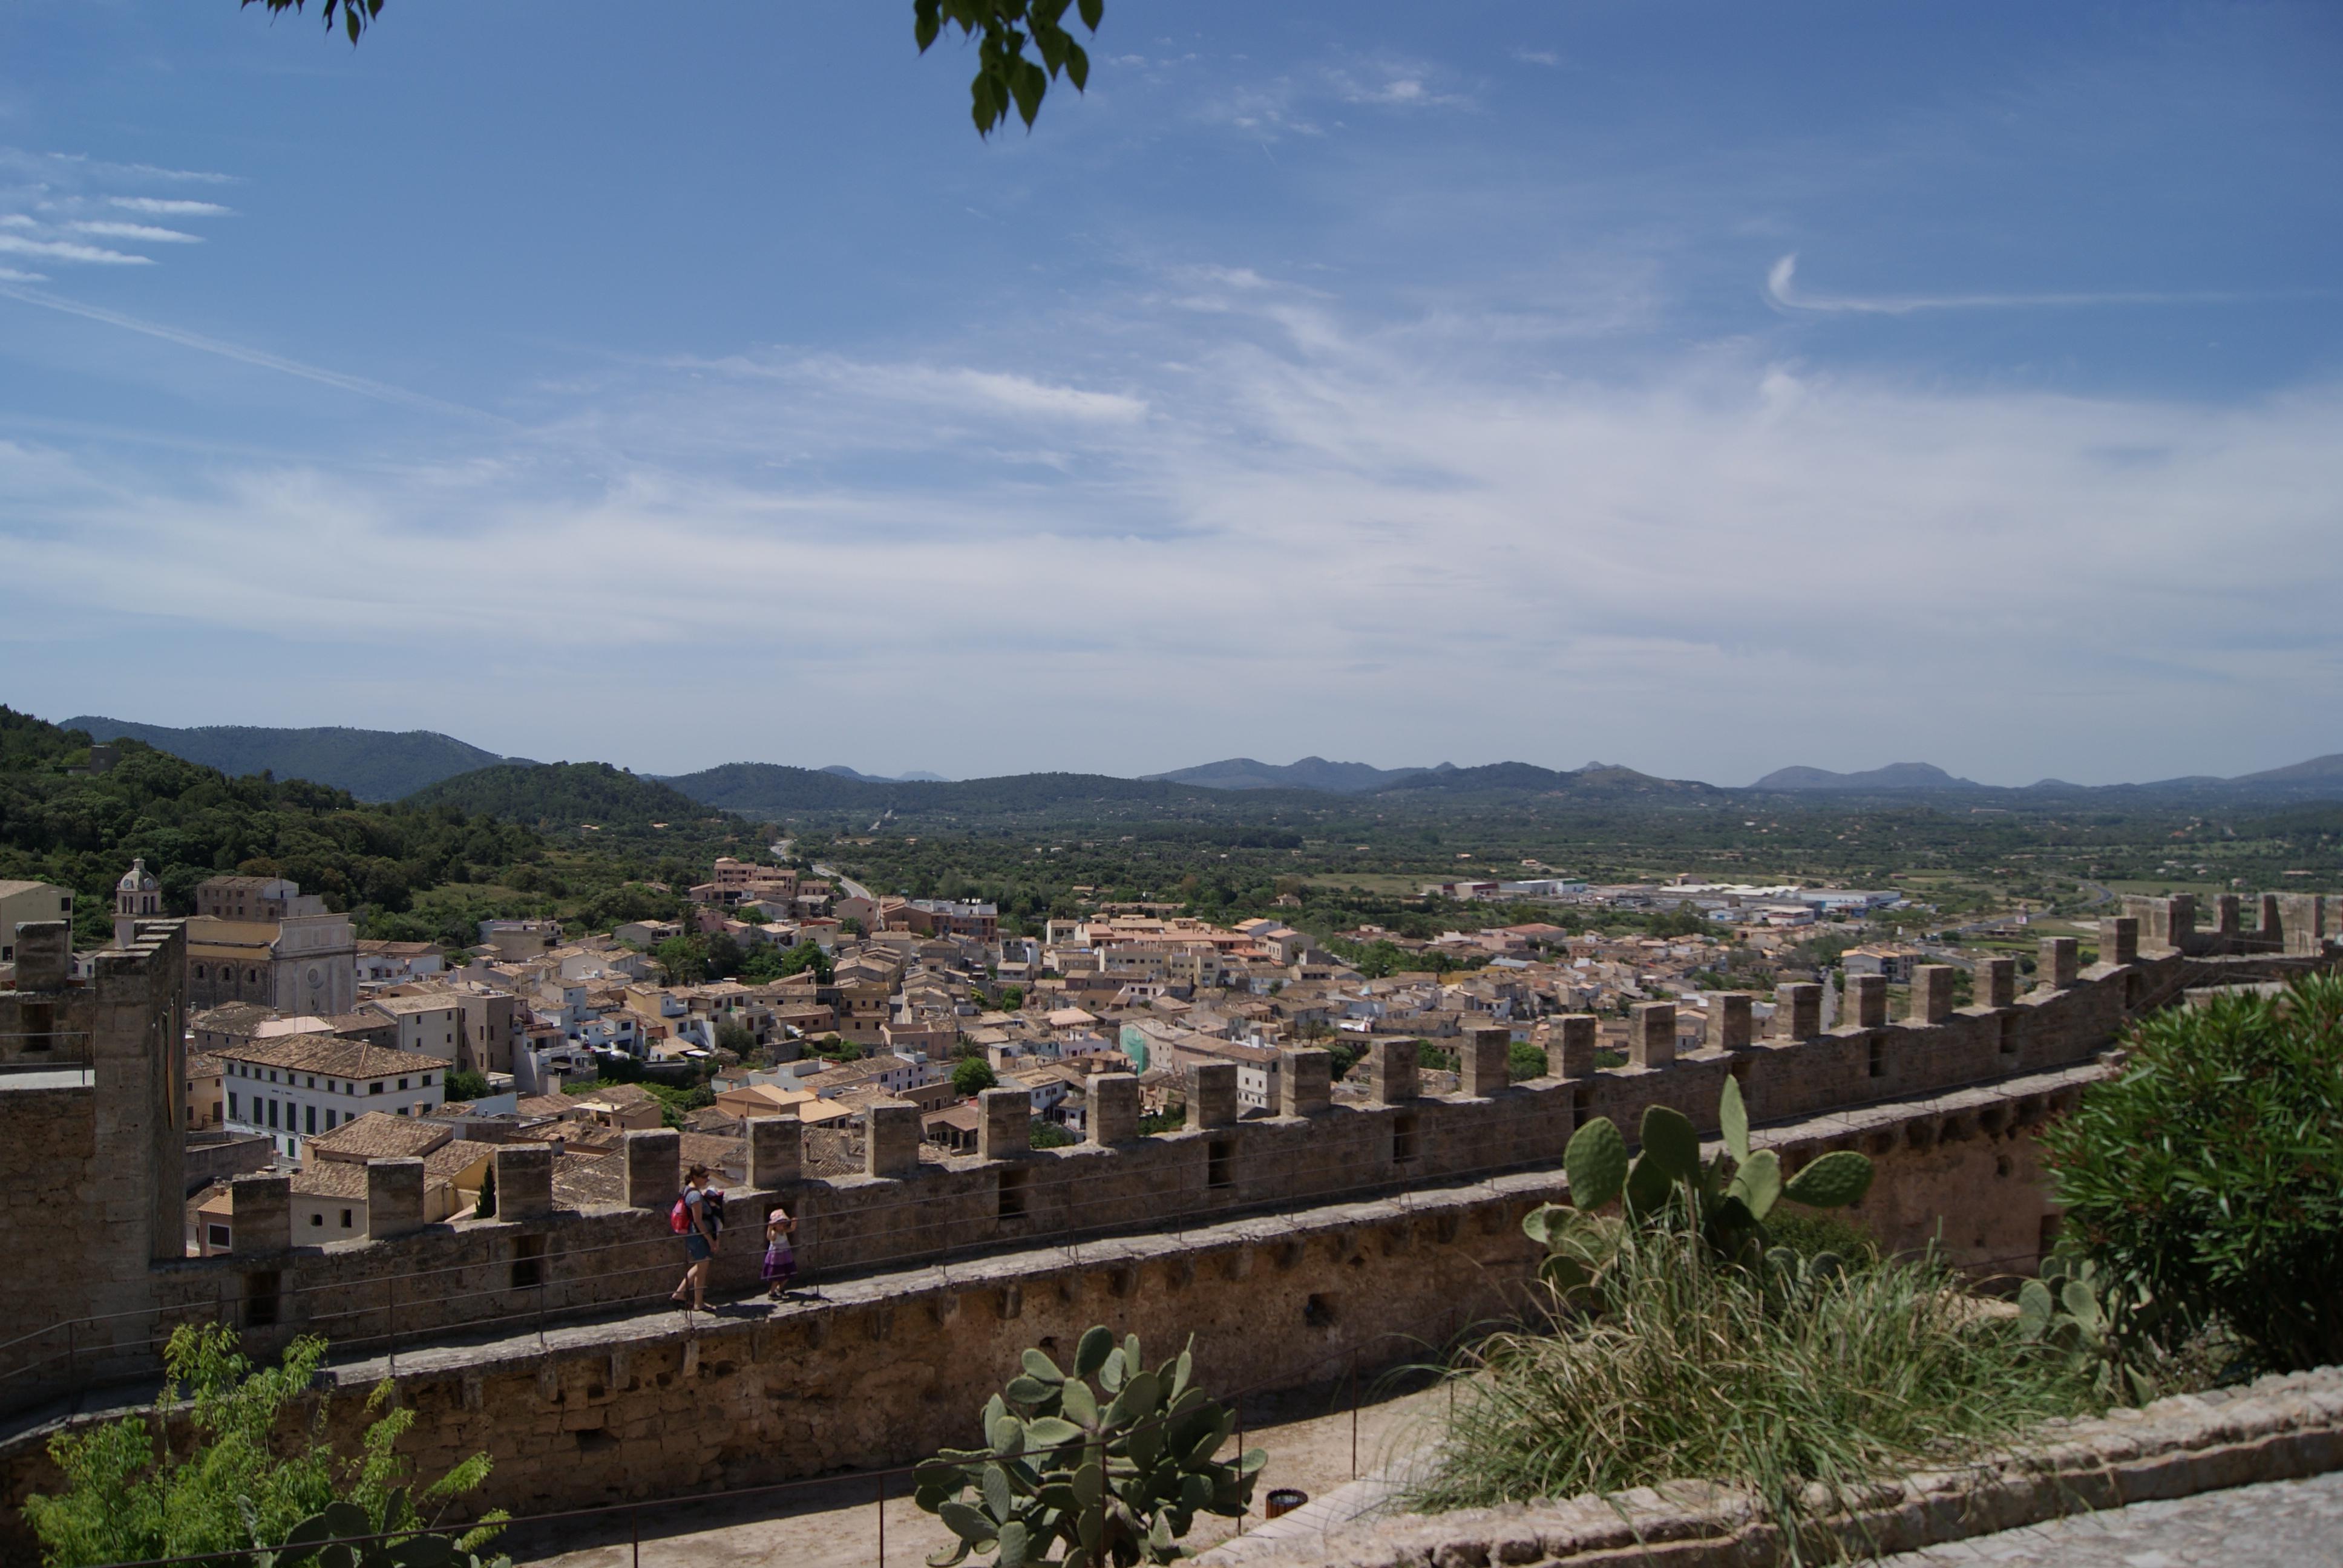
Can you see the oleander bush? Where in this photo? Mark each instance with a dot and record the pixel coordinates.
(2204, 1182)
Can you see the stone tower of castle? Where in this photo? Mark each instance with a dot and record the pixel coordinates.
(137, 897)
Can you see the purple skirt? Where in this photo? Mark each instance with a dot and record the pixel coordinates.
(781, 1264)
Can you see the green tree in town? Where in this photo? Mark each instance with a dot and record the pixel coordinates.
(808, 955)
(973, 1076)
(682, 960)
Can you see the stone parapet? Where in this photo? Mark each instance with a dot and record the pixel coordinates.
(394, 1198)
(1004, 1123)
(1213, 1094)
(907, 1209)
(1651, 1034)
(583, 1413)
(524, 1181)
(654, 1167)
(1305, 1083)
(1574, 1038)
(1483, 1065)
(2278, 1427)
(1391, 1069)
(1114, 1108)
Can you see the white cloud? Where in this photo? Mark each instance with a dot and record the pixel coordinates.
(68, 250)
(1781, 290)
(1330, 536)
(1529, 56)
(160, 206)
(145, 231)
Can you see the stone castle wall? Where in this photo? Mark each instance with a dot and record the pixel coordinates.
(410, 1282)
(893, 1366)
(91, 1149)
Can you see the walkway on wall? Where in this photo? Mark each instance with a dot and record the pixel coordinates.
(1316, 1444)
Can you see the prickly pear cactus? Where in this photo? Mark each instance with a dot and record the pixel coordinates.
(1728, 1198)
(1108, 1476)
(2065, 1312)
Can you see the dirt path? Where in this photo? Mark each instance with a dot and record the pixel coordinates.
(834, 1524)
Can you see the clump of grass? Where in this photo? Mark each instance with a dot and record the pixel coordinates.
(1674, 1366)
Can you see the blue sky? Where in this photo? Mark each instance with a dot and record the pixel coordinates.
(1706, 387)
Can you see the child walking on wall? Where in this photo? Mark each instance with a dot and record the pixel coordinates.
(780, 1257)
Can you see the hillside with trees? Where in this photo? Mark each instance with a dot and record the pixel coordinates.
(406, 871)
(566, 795)
(371, 764)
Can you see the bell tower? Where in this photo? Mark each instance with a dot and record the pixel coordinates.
(137, 897)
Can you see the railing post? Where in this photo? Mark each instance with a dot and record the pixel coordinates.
(882, 1519)
(1354, 1415)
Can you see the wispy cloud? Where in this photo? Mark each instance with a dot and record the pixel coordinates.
(1782, 292)
(68, 250)
(145, 231)
(242, 354)
(57, 203)
(1529, 56)
(169, 206)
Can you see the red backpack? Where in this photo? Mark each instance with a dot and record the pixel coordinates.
(678, 1218)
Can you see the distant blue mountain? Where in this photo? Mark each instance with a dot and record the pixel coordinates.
(1309, 773)
(917, 777)
(1895, 775)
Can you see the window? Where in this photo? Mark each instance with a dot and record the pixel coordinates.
(402, 1083)
(317, 1220)
(346, 1218)
(311, 1117)
(272, 1113)
(215, 1235)
(231, 1106)
(329, 1118)
(374, 1089)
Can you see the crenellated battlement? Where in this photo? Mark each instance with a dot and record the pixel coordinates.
(409, 1281)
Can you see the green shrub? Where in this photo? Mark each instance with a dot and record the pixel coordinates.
(1810, 1232)
(129, 1498)
(972, 1076)
(1681, 1366)
(462, 1084)
(2206, 1180)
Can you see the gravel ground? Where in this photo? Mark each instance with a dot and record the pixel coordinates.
(2276, 1524)
(834, 1524)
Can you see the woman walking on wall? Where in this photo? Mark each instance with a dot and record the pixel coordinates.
(694, 1219)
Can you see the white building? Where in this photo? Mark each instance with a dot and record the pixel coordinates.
(291, 1088)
